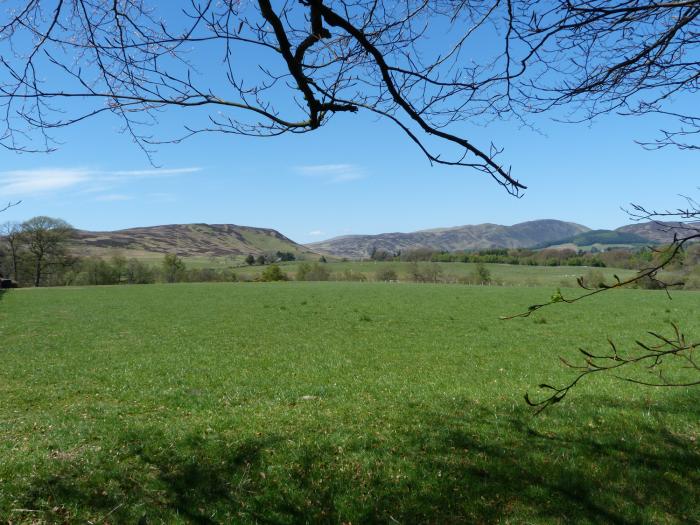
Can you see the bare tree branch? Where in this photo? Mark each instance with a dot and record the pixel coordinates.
(287, 68)
(654, 356)
(9, 205)
(685, 230)
(629, 57)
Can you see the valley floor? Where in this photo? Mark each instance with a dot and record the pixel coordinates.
(334, 403)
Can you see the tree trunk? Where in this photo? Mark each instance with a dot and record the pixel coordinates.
(37, 277)
(14, 262)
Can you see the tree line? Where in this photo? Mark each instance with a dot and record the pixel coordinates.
(630, 259)
(34, 251)
(37, 252)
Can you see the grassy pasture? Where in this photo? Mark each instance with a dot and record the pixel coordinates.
(333, 403)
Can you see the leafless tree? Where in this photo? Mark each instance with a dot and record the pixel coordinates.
(632, 57)
(586, 58)
(292, 66)
(285, 68)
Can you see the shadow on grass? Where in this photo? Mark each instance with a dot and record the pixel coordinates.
(439, 468)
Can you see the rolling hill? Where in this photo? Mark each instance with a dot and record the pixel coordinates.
(602, 237)
(230, 240)
(658, 232)
(482, 236)
(188, 240)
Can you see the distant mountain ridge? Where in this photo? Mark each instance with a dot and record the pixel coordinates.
(210, 240)
(659, 232)
(531, 234)
(231, 240)
(470, 237)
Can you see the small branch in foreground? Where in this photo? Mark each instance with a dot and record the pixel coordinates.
(684, 232)
(9, 205)
(668, 255)
(675, 346)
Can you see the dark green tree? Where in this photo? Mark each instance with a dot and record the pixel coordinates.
(481, 274)
(273, 273)
(174, 269)
(138, 272)
(45, 239)
(11, 232)
(312, 272)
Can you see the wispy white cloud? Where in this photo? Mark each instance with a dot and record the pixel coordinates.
(20, 183)
(159, 172)
(110, 197)
(333, 173)
(26, 182)
(96, 188)
(315, 233)
(163, 197)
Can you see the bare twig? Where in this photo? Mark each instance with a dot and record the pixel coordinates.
(685, 230)
(9, 205)
(655, 357)
(65, 61)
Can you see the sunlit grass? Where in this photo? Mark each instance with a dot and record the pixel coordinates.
(333, 402)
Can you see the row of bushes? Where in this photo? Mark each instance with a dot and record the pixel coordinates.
(416, 273)
(119, 270)
(480, 275)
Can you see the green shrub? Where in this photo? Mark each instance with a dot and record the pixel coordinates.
(312, 272)
(349, 275)
(593, 279)
(273, 273)
(139, 273)
(174, 269)
(95, 271)
(692, 279)
(386, 274)
(428, 273)
(481, 274)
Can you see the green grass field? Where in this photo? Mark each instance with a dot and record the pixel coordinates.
(505, 274)
(333, 403)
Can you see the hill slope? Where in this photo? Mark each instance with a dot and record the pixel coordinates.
(190, 240)
(602, 237)
(481, 236)
(658, 232)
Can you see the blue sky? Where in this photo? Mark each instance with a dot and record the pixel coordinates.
(356, 175)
